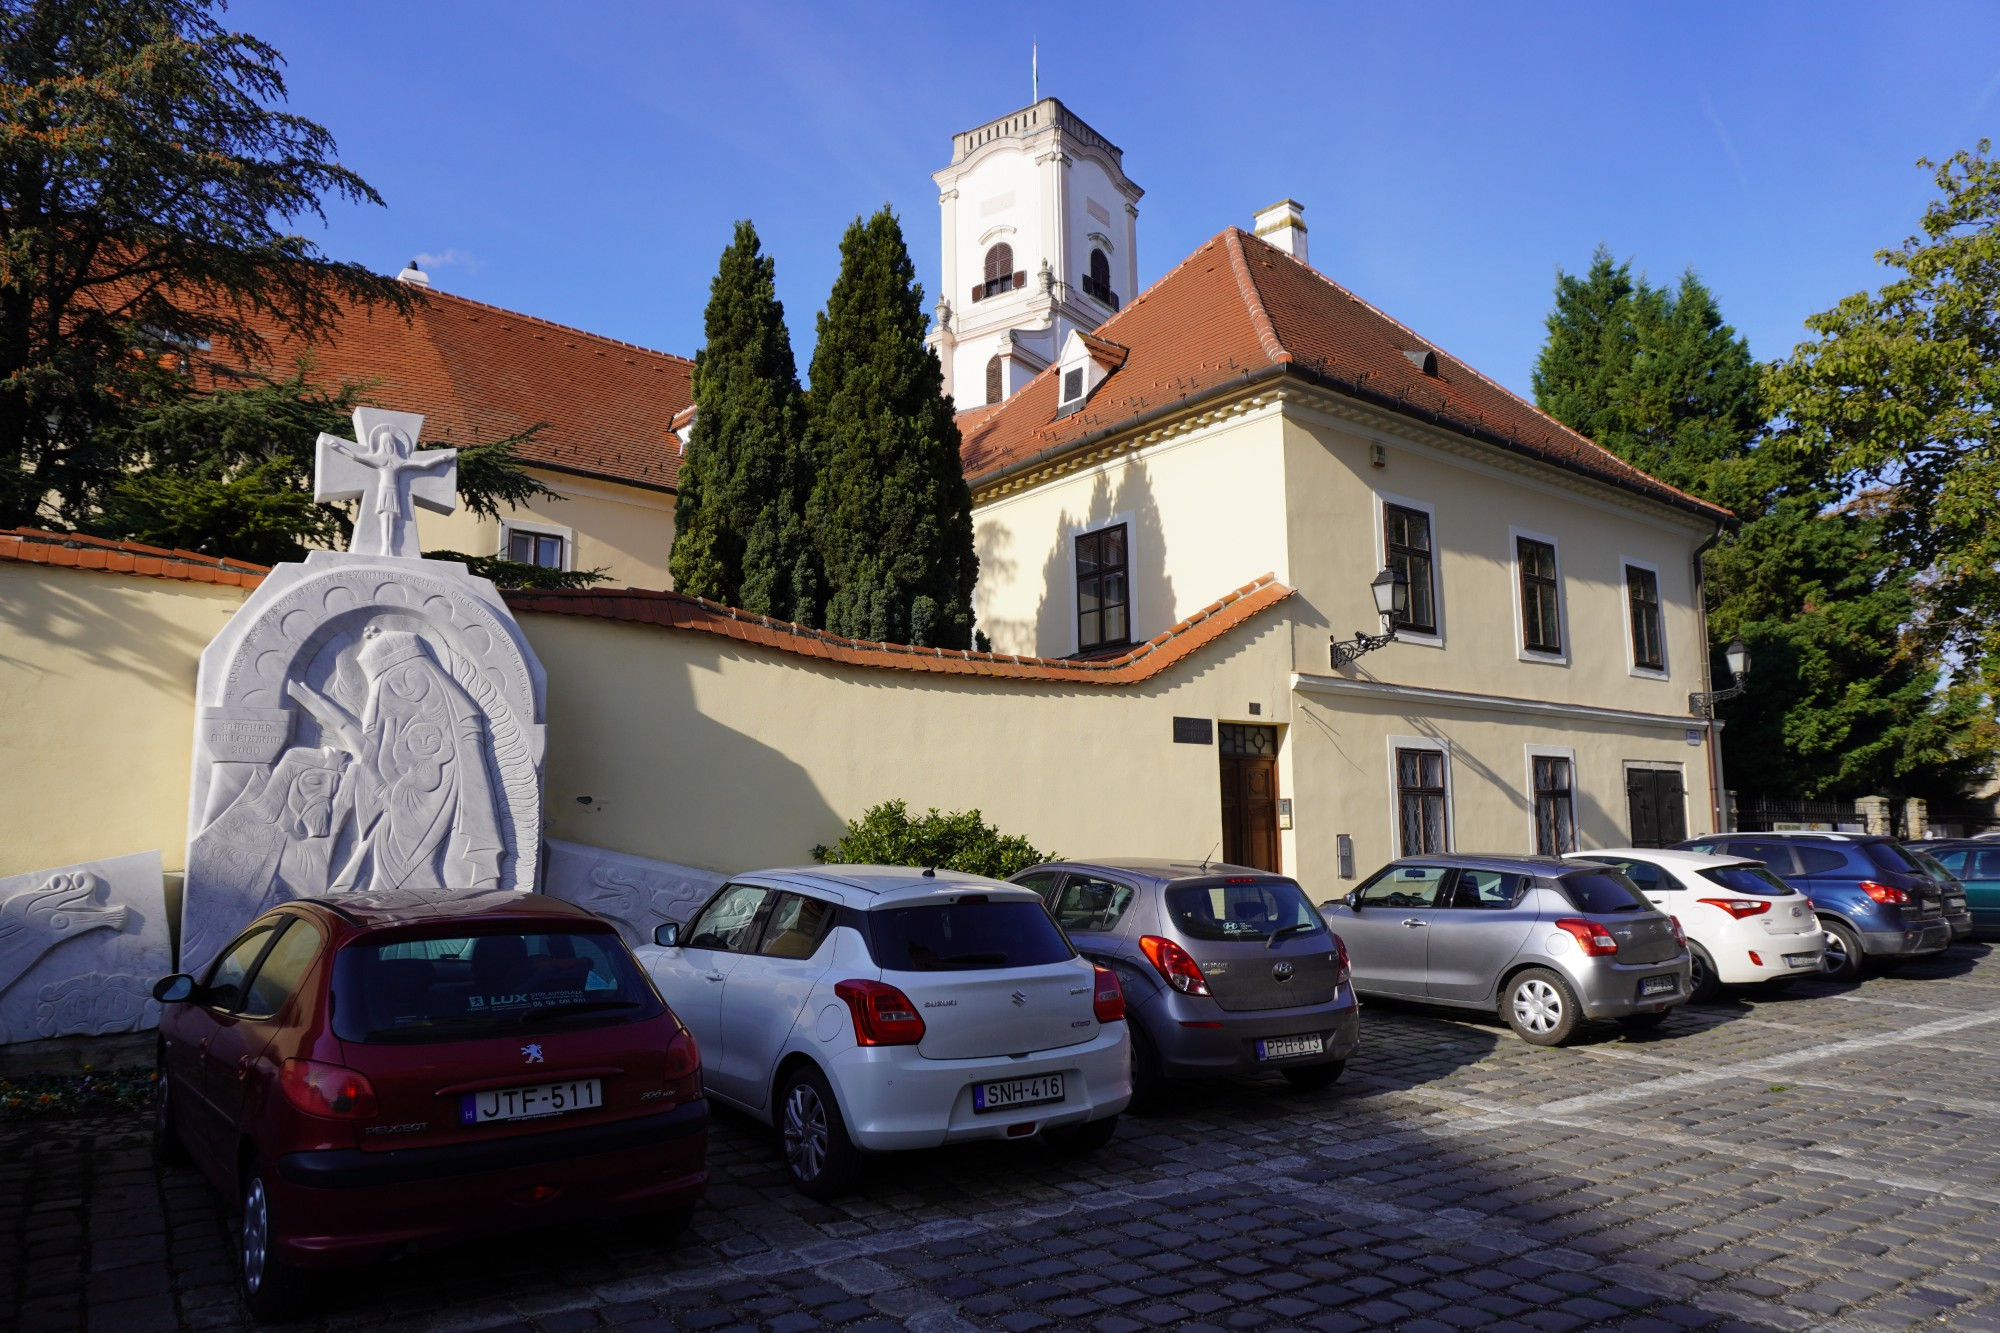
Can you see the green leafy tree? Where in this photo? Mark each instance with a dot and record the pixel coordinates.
(1900, 390)
(739, 521)
(145, 174)
(886, 835)
(231, 473)
(1842, 701)
(890, 511)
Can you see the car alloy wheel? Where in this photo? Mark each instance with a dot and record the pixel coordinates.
(1842, 959)
(256, 1235)
(272, 1289)
(1702, 983)
(805, 1132)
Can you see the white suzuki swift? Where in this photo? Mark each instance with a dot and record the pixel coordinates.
(1744, 925)
(870, 1008)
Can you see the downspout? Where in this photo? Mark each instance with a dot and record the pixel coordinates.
(1716, 808)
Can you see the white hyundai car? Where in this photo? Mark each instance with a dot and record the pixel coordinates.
(1744, 925)
(869, 1008)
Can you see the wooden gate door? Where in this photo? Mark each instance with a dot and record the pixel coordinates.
(1249, 795)
(1657, 803)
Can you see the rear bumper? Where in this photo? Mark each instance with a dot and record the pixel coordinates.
(1611, 989)
(1734, 966)
(894, 1099)
(1960, 923)
(1196, 1038)
(346, 1206)
(1929, 937)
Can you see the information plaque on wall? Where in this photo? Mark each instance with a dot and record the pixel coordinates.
(1193, 731)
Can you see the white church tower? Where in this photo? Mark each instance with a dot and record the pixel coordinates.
(1039, 222)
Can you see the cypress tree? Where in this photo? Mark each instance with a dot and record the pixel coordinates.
(890, 511)
(1590, 344)
(739, 522)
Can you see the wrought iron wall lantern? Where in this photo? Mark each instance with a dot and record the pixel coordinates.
(1702, 702)
(1392, 599)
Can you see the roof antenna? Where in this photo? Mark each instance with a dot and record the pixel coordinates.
(1210, 857)
(930, 872)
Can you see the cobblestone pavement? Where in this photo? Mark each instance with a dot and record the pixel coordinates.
(1826, 1158)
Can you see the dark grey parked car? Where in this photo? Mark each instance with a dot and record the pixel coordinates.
(1549, 943)
(1226, 970)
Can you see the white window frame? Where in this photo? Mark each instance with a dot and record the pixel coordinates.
(1439, 746)
(510, 526)
(1665, 670)
(1070, 535)
(1429, 510)
(1529, 754)
(1521, 649)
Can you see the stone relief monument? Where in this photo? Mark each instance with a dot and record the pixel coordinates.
(80, 949)
(634, 893)
(369, 719)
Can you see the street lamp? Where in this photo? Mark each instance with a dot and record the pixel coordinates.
(1702, 702)
(1391, 590)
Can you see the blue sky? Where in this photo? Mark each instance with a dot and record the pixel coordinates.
(585, 162)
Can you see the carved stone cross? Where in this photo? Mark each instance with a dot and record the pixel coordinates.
(386, 472)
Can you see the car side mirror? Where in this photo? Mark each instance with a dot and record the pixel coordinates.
(1353, 900)
(667, 934)
(176, 989)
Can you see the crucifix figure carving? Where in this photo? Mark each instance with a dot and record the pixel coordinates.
(383, 469)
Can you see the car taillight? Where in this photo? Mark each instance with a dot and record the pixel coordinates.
(1882, 893)
(1741, 907)
(1595, 939)
(1175, 964)
(683, 1056)
(1680, 936)
(883, 1015)
(328, 1090)
(1107, 997)
(1346, 973)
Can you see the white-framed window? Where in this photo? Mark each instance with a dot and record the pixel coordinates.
(1420, 814)
(1551, 799)
(1406, 539)
(530, 543)
(1101, 575)
(1541, 612)
(1645, 619)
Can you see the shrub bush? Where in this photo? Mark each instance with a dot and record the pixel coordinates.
(962, 840)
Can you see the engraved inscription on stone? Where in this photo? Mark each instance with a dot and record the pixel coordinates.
(245, 735)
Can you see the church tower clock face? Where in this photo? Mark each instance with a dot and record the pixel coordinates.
(1039, 241)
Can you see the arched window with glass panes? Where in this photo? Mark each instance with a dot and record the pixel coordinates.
(1097, 282)
(993, 380)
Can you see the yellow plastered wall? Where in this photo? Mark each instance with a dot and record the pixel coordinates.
(626, 531)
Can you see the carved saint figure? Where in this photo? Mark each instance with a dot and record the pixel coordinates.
(275, 840)
(35, 922)
(391, 454)
(423, 802)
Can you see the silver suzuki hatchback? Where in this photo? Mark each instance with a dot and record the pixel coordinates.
(1226, 970)
(1549, 943)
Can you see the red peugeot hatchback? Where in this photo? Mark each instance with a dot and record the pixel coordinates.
(374, 1073)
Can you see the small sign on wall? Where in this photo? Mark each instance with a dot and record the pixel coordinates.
(1284, 812)
(1694, 735)
(1194, 731)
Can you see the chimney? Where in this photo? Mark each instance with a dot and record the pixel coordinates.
(413, 275)
(1283, 224)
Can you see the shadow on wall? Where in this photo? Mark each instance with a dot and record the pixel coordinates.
(1150, 598)
(116, 634)
(636, 765)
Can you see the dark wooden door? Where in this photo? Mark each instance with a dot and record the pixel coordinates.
(1657, 802)
(1250, 796)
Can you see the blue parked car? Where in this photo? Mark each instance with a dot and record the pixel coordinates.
(1877, 905)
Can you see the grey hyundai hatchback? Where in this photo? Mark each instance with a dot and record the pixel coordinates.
(1226, 970)
(1549, 943)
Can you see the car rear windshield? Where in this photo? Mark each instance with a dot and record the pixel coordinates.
(1603, 891)
(963, 936)
(1748, 879)
(1888, 856)
(1932, 866)
(1250, 910)
(421, 988)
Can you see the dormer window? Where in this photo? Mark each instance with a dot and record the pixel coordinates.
(1086, 361)
(1000, 273)
(1097, 282)
(1072, 384)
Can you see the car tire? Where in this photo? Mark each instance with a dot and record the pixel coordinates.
(1541, 1008)
(169, 1149)
(1312, 1078)
(272, 1289)
(821, 1160)
(1843, 960)
(1088, 1137)
(1147, 1082)
(1704, 986)
(1642, 1022)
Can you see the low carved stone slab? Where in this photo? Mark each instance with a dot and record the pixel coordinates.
(634, 893)
(80, 949)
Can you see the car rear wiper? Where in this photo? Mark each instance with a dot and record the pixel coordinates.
(1283, 931)
(578, 1007)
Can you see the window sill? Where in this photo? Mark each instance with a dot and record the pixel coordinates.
(1647, 673)
(1543, 659)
